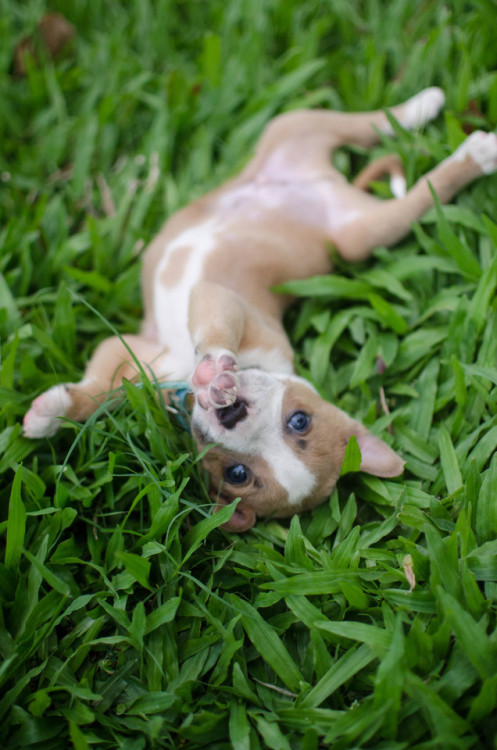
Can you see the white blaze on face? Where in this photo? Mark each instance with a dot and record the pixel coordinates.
(261, 433)
(288, 470)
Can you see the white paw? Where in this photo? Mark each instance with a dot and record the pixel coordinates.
(398, 185)
(422, 107)
(482, 148)
(42, 419)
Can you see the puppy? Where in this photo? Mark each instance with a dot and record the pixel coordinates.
(211, 315)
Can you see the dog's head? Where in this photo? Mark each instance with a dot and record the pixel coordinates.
(280, 447)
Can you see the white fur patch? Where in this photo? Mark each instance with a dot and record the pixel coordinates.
(171, 304)
(398, 186)
(306, 198)
(290, 193)
(288, 470)
(271, 360)
(422, 107)
(297, 379)
(418, 110)
(43, 418)
(482, 148)
(339, 203)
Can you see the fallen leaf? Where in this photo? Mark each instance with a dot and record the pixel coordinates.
(53, 32)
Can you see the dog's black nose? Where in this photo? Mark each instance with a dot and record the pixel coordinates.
(231, 415)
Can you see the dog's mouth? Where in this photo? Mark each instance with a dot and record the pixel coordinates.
(229, 416)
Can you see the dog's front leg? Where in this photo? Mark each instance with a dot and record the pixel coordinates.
(217, 319)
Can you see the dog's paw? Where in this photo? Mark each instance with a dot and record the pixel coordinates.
(398, 186)
(422, 108)
(482, 148)
(43, 418)
(215, 380)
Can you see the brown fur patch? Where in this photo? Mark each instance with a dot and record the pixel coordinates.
(321, 448)
(262, 493)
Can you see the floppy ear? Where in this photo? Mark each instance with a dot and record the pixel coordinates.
(377, 457)
(242, 519)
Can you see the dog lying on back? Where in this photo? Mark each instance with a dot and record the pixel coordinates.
(211, 317)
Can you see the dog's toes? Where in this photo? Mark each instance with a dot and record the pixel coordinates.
(204, 399)
(227, 362)
(215, 380)
(211, 365)
(43, 418)
(223, 390)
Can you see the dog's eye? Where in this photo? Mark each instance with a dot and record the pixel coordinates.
(299, 421)
(236, 474)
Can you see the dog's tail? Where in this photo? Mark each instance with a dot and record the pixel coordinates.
(390, 165)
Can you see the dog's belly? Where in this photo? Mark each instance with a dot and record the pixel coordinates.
(319, 204)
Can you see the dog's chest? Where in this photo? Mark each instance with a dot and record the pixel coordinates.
(232, 214)
(178, 271)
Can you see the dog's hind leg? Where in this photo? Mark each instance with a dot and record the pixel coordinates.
(113, 360)
(385, 222)
(386, 165)
(300, 141)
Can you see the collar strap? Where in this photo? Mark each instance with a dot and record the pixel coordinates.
(179, 401)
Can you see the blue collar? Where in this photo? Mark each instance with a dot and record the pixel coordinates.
(179, 390)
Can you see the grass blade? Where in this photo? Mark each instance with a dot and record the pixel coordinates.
(345, 668)
(375, 638)
(239, 727)
(486, 506)
(16, 525)
(268, 644)
(448, 458)
(199, 533)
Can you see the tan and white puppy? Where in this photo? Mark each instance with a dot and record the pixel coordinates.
(211, 316)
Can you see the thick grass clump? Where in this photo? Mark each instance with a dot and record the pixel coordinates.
(129, 620)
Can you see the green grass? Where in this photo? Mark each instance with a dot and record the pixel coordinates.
(129, 620)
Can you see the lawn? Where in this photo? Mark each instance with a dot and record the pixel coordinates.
(129, 619)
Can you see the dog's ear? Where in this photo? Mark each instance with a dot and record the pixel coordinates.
(242, 519)
(377, 457)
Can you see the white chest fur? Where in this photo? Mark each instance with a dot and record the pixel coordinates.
(172, 298)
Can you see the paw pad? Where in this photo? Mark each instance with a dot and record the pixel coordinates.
(215, 381)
